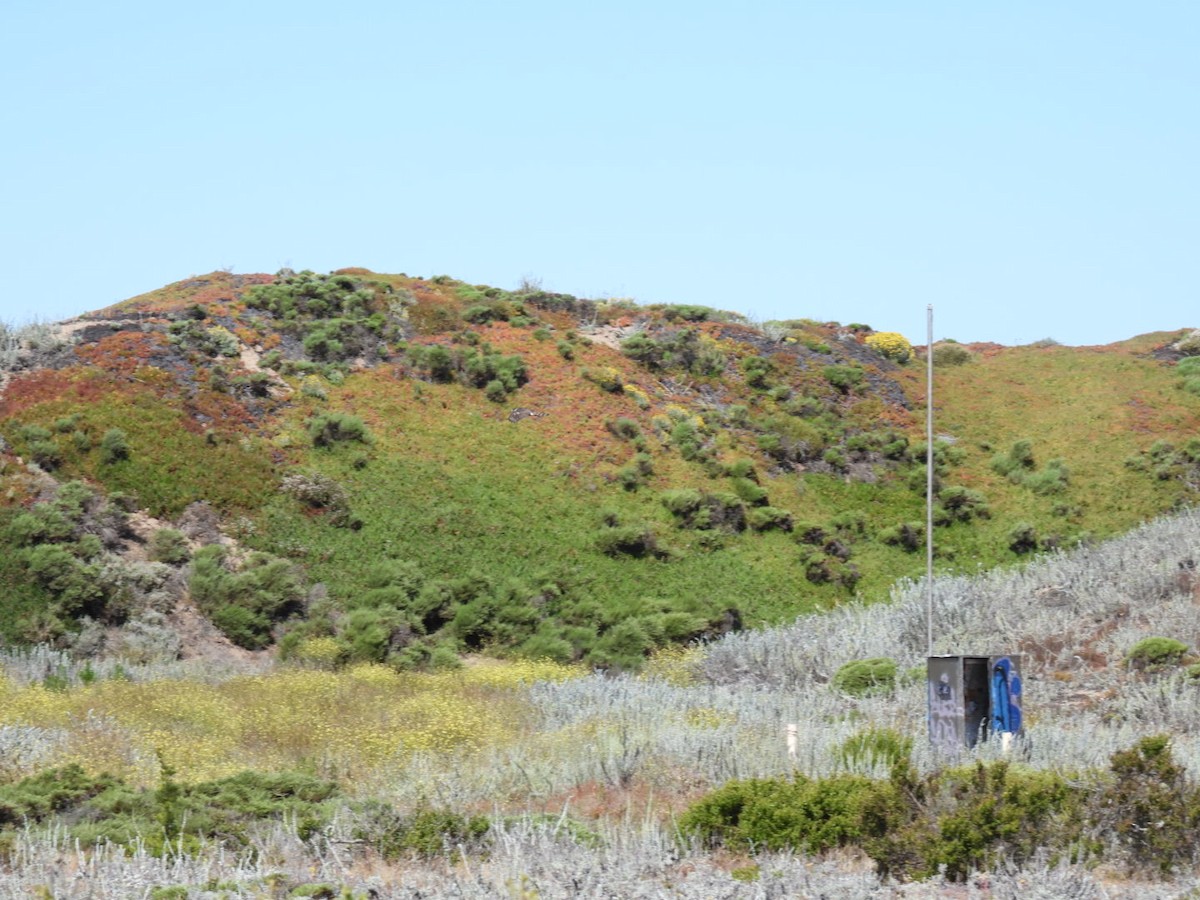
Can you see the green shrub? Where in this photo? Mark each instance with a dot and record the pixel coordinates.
(1023, 538)
(104, 808)
(845, 378)
(114, 447)
(46, 454)
(769, 518)
(875, 747)
(1153, 653)
(963, 820)
(622, 647)
(1051, 480)
(626, 540)
(812, 533)
(749, 492)
(683, 503)
(742, 468)
(1015, 462)
(633, 475)
(327, 429)
(425, 832)
(804, 814)
(703, 511)
(835, 458)
(758, 370)
(960, 504)
(1152, 808)
(951, 354)
(169, 546)
(626, 429)
(910, 536)
(876, 675)
(850, 523)
(243, 626)
(245, 603)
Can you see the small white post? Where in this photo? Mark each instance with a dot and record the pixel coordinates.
(792, 732)
(1005, 742)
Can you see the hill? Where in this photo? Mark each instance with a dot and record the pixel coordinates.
(367, 467)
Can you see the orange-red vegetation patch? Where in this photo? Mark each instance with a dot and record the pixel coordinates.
(208, 291)
(125, 351)
(434, 312)
(48, 385)
(206, 410)
(577, 410)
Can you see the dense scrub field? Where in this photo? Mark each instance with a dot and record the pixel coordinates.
(584, 777)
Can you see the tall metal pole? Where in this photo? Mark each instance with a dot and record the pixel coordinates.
(929, 478)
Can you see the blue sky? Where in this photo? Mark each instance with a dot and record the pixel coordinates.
(1029, 168)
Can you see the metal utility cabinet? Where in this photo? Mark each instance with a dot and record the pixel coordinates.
(972, 698)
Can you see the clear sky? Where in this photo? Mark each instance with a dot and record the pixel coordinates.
(1029, 168)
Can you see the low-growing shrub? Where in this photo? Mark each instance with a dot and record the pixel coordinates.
(769, 518)
(605, 377)
(704, 511)
(959, 504)
(909, 536)
(1016, 461)
(951, 354)
(425, 832)
(169, 546)
(860, 677)
(627, 540)
(245, 602)
(846, 379)
(1152, 807)
(749, 492)
(1023, 538)
(1154, 653)
(808, 815)
(226, 811)
(875, 747)
(114, 446)
(626, 429)
(327, 429)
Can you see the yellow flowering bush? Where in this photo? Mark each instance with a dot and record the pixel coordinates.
(605, 377)
(639, 396)
(890, 344)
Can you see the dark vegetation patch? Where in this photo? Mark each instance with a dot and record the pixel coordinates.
(1142, 811)
(229, 812)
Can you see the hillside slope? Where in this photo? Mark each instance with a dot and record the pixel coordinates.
(366, 466)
